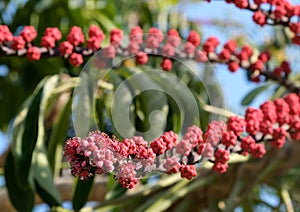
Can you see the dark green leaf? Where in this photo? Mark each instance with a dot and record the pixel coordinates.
(100, 108)
(82, 191)
(22, 197)
(28, 139)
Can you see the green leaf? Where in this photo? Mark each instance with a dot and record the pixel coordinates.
(114, 189)
(82, 105)
(278, 92)
(22, 197)
(27, 139)
(82, 191)
(150, 99)
(40, 165)
(44, 180)
(121, 110)
(253, 94)
(116, 192)
(182, 96)
(100, 108)
(59, 135)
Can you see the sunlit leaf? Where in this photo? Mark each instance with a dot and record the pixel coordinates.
(253, 94)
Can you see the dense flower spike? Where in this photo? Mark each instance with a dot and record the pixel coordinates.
(260, 18)
(154, 43)
(98, 153)
(95, 31)
(127, 176)
(253, 118)
(236, 125)
(173, 38)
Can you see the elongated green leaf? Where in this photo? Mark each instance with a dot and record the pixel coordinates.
(40, 165)
(182, 96)
(43, 178)
(151, 98)
(28, 127)
(278, 92)
(82, 109)
(29, 143)
(99, 109)
(27, 140)
(253, 94)
(121, 110)
(59, 135)
(82, 191)
(22, 197)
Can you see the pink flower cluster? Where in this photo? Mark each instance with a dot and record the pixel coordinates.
(270, 124)
(94, 154)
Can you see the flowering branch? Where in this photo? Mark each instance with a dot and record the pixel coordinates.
(129, 159)
(139, 47)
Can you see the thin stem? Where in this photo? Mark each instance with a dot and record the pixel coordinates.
(287, 200)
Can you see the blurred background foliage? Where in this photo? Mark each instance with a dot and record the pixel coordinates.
(35, 110)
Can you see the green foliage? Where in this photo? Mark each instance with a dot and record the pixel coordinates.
(22, 197)
(248, 99)
(81, 193)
